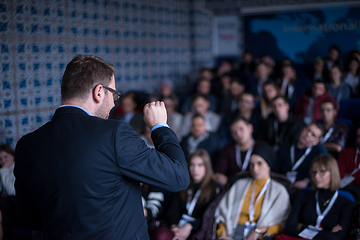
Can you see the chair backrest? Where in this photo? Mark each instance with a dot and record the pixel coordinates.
(349, 108)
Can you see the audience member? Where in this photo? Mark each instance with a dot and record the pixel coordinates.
(294, 160)
(7, 192)
(282, 126)
(248, 111)
(129, 113)
(185, 212)
(166, 90)
(335, 132)
(235, 156)
(201, 106)
(318, 73)
(199, 137)
(333, 58)
(230, 103)
(174, 119)
(349, 165)
(337, 89)
(203, 88)
(223, 91)
(352, 76)
(292, 86)
(255, 83)
(254, 206)
(247, 66)
(321, 213)
(270, 91)
(307, 107)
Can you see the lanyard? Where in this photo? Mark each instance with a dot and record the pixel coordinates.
(301, 159)
(247, 156)
(327, 135)
(191, 205)
(252, 204)
(322, 215)
(356, 167)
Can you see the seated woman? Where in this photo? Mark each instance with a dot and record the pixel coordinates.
(270, 91)
(254, 207)
(323, 207)
(187, 207)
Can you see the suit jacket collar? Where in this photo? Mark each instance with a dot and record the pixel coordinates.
(69, 110)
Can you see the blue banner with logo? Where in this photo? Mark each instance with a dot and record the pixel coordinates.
(301, 35)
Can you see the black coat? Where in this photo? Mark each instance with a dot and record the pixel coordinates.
(78, 176)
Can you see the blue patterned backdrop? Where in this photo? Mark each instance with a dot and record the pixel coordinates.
(146, 41)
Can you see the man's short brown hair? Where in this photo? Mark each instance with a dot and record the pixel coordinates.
(83, 73)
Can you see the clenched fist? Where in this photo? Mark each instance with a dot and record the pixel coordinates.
(154, 113)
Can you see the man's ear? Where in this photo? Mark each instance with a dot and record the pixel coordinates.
(98, 93)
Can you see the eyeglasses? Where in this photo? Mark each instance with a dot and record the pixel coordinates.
(116, 94)
(321, 172)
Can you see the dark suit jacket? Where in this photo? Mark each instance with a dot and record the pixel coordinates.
(78, 177)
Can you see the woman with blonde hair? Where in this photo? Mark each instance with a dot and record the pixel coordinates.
(320, 213)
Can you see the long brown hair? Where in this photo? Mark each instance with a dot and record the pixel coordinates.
(207, 183)
(329, 163)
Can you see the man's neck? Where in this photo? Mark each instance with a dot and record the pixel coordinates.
(246, 146)
(284, 118)
(79, 104)
(328, 125)
(300, 145)
(246, 114)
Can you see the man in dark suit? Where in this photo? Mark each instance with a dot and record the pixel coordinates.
(78, 176)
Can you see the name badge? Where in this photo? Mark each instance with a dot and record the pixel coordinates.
(185, 219)
(309, 232)
(346, 181)
(248, 227)
(291, 176)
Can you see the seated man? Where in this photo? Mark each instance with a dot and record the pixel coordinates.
(282, 126)
(335, 134)
(292, 86)
(349, 165)
(235, 156)
(294, 160)
(129, 113)
(307, 107)
(200, 138)
(203, 88)
(201, 106)
(246, 110)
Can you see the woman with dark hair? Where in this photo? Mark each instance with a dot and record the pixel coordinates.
(321, 213)
(270, 91)
(187, 207)
(254, 207)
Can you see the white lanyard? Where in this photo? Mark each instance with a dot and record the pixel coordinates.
(301, 159)
(247, 156)
(327, 135)
(322, 215)
(356, 167)
(252, 204)
(191, 205)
